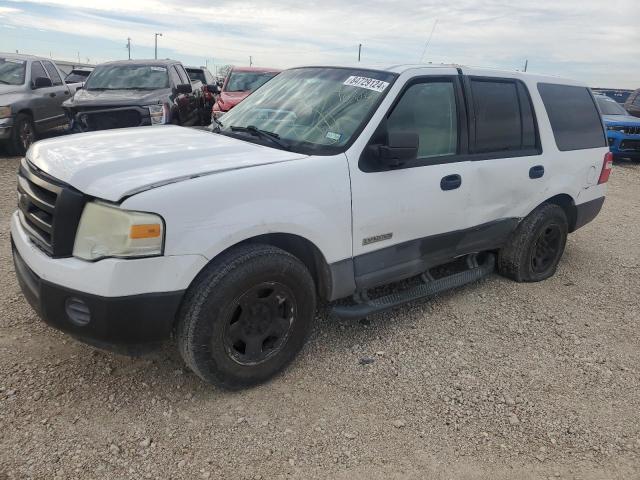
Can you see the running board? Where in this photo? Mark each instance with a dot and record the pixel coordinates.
(427, 289)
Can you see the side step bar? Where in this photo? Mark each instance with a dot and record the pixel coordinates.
(427, 289)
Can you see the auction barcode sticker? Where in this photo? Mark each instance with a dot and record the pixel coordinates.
(366, 82)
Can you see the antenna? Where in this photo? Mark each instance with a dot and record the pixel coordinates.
(426, 45)
(359, 51)
(128, 46)
(526, 65)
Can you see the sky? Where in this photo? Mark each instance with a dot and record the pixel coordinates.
(593, 41)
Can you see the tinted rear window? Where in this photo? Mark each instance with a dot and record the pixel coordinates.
(574, 117)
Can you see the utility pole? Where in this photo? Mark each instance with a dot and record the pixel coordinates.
(526, 65)
(250, 60)
(156, 43)
(359, 51)
(129, 46)
(78, 57)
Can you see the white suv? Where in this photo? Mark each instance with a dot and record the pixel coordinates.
(324, 183)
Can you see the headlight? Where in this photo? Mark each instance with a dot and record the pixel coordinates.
(159, 114)
(618, 128)
(107, 231)
(5, 112)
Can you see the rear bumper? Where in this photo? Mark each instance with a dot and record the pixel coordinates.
(113, 322)
(586, 212)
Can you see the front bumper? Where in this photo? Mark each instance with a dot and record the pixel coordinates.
(112, 321)
(130, 302)
(623, 145)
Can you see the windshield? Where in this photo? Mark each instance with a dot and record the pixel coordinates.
(128, 77)
(12, 71)
(314, 110)
(247, 81)
(610, 107)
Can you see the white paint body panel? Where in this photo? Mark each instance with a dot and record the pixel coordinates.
(214, 192)
(110, 277)
(113, 164)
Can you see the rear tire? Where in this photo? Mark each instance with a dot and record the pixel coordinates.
(535, 248)
(23, 134)
(246, 316)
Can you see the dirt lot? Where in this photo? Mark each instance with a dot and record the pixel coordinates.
(497, 380)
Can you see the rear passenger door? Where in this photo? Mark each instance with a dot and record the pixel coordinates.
(508, 169)
(59, 93)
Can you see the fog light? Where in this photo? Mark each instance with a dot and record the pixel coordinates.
(77, 311)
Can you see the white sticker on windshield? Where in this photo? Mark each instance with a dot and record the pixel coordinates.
(159, 69)
(366, 82)
(333, 136)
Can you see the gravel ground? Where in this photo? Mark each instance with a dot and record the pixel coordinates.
(496, 380)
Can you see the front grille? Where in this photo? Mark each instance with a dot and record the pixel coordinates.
(630, 145)
(632, 130)
(108, 119)
(49, 210)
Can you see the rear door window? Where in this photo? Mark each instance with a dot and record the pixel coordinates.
(503, 120)
(53, 73)
(574, 117)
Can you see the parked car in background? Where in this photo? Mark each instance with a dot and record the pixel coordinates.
(238, 84)
(132, 93)
(623, 130)
(78, 75)
(618, 94)
(209, 86)
(31, 96)
(632, 105)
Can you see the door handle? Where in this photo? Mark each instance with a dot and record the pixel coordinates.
(451, 182)
(536, 172)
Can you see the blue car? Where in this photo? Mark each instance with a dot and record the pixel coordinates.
(623, 130)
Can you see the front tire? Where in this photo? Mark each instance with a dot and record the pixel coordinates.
(535, 248)
(246, 316)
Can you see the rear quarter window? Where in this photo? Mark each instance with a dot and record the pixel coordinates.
(574, 117)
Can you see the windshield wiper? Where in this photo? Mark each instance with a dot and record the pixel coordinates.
(4, 83)
(255, 131)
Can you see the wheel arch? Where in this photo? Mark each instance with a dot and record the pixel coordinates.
(568, 204)
(301, 248)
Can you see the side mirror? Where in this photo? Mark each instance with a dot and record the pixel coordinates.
(42, 82)
(184, 88)
(213, 88)
(401, 147)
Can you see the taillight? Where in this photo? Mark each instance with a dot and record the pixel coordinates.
(607, 165)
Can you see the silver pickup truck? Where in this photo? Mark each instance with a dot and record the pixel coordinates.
(31, 96)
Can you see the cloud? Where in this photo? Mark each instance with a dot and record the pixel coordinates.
(582, 39)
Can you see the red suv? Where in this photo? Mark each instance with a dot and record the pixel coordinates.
(240, 82)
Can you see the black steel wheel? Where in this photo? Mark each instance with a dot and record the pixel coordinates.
(546, 248)
(23, 134)
(260, 322)
(246, 316)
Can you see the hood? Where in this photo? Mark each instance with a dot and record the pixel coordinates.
(113, 164)
(11, 89)
(97, 98)
(621, 120)
(231, 99)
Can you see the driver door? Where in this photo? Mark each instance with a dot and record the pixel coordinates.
(408, 219)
